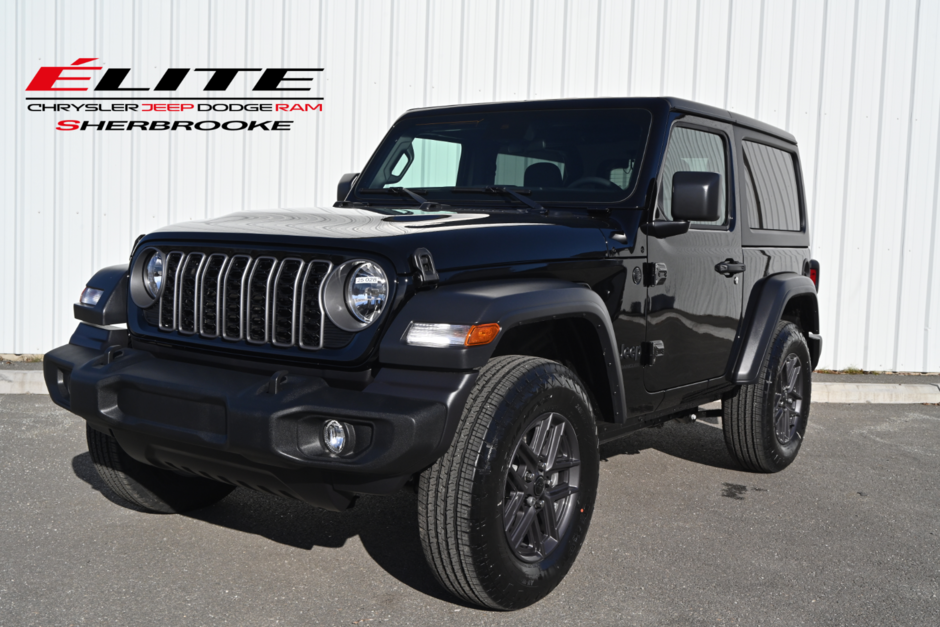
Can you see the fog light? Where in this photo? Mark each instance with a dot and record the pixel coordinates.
(91, 296)
(336, 436)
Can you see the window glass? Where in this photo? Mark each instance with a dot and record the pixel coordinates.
(772, 197)
(622, 177)
(693, 151)
(510, 169)
(435, 164)
(568, 156)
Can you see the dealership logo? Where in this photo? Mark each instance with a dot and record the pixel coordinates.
(270, 79)
(113, 84)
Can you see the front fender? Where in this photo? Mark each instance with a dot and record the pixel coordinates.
(112, 306)
(508, 303)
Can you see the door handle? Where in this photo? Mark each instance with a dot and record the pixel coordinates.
(730, 267)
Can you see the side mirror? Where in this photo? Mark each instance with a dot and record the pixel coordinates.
(345, 185)
(695, 196)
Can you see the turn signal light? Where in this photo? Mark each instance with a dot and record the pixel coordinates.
(482, 334)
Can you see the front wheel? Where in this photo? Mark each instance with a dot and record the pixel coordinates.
(503, 514)
(764, 423)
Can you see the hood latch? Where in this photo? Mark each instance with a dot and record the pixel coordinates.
(426, 270)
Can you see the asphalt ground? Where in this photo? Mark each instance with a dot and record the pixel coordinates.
(848, 535)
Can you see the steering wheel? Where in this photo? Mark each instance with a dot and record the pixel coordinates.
(593, 181)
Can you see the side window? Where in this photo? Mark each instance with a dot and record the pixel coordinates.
(773, 201)
(510, 169)
(693, 151)
(435, 164)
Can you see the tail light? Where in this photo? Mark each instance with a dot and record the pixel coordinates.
(811, 269)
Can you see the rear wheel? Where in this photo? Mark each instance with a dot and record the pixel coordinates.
(503, 514)
(764, 423)
(150, 488)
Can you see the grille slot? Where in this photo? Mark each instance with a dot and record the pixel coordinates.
(167, 304)
(233, 297)
(311, 311)
(188, 301)
(259, 300)
(210, 295)
(284, 324)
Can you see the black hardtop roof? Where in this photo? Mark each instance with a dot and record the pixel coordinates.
(673, 104)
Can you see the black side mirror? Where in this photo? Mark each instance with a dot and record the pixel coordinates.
(345, 185)
(695, 196)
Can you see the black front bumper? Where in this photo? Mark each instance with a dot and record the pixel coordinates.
(258, 430)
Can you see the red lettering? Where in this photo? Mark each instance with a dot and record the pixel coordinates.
(46, 77)
(67, 125)
(280, 107)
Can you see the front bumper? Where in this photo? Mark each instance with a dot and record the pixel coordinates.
(256, 430)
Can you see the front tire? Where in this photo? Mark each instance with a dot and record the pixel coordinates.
(503, 514)
(764, 423)
(149, 488)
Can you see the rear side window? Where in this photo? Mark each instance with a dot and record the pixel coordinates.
(773, 201)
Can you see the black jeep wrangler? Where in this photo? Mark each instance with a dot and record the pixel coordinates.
(504, 287)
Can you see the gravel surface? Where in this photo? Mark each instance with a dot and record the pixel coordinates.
(904, 379)
(848, 535)
(20, 365)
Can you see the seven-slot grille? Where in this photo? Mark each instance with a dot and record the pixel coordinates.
(262, 300)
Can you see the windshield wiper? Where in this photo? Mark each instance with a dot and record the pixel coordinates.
(396, 190)
(500, 189)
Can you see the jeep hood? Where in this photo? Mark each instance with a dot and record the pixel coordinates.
(458, 239)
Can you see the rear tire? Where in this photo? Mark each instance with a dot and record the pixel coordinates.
(149, 488)
(503, 514)
(764, 423)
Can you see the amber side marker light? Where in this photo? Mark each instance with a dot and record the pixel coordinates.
(482, 334)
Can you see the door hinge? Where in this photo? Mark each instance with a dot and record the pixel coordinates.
(426, 271)
(651, 352)
(654, 273)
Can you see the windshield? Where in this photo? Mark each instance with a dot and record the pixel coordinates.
(565, 155)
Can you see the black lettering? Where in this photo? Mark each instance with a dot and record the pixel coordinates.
(282, 126)
(223, 77)
(112, 79)
(115, 126)
(97, 126)
(171, 79)
(240, 125)
(273, 77)
(186, 126)
(200, 126)
(138, 124)
(261, 125)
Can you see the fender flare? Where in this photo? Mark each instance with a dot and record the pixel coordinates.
(767, 303)
(112, 306)
(509, 303)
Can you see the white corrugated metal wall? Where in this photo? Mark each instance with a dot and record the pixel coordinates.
(858, 83)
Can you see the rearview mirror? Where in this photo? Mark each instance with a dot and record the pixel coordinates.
(345, 184)
(695, 196)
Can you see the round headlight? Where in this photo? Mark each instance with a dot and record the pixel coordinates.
(153, 274)
(366, 292)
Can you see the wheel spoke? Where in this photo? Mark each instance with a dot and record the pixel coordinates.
(564, 464)
(560, 492)
(793, 373)
(535, 535)
(553, 444)
(541, 431)
(515, 537)
(517, 481)
(548, 520)
(528, 456)
(511, 509)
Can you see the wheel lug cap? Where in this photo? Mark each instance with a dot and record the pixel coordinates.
(529, 477)
(539, 503)
(543, 466)
(530, 501)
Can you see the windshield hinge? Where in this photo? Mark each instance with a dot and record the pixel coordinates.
(426, 270)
